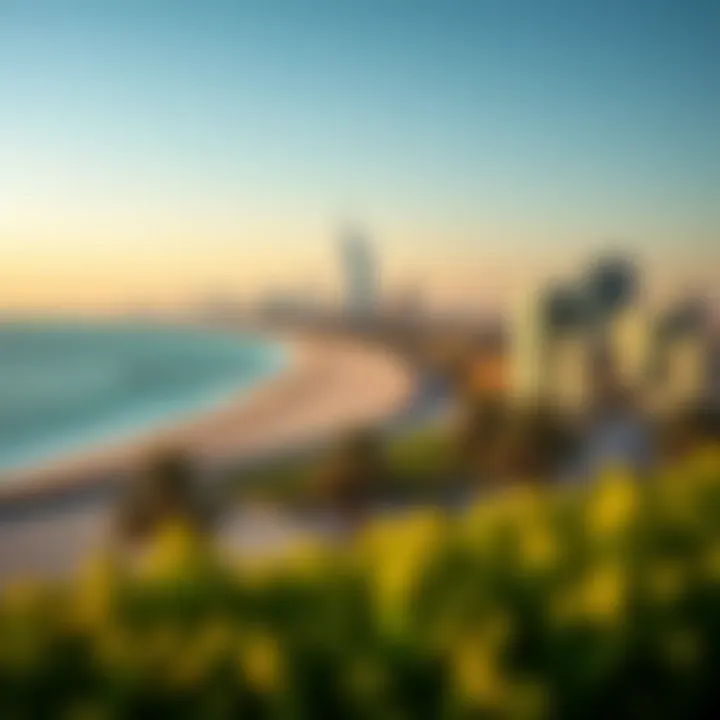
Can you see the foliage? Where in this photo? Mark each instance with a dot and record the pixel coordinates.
(414, 464)
(590, 602)
(165, 488)
(497, 441)
(352, 473)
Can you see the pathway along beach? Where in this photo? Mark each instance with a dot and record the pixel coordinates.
(53, 516)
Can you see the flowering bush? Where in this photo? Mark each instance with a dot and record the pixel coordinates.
(601, 602)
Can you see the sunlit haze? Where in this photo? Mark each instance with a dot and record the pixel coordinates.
(163, 151)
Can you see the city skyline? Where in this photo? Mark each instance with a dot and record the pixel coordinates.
(162, 151)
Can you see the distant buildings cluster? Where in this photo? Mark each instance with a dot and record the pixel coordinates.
(595, 340)
(362, 303)
(360, 291)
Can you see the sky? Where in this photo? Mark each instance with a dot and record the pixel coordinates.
(164, 150)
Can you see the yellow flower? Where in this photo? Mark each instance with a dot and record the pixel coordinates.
(394, 555)
(521, 502)
(175, 549)
(414, 532)
(519, 505)
(705, 464)
(479, 524)
(599, 598)
(393, 582)
(604, 594)
(261, 662)
(92, 598)
(613, 506)
(539, 549)
(307, 557)
(477, 674)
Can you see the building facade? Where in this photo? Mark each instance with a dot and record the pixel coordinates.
(361, 281)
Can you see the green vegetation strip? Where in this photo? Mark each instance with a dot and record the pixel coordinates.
(596, 602)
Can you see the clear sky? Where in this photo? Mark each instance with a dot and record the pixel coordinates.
(157, 149)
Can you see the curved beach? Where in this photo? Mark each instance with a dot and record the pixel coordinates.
(328, 385)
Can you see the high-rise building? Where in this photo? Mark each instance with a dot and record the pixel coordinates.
(361, 276)
(686, 355)
(567, 377)
(528, 342)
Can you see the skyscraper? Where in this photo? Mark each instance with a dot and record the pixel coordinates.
(360, 273)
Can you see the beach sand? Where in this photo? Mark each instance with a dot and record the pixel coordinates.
(329, 385)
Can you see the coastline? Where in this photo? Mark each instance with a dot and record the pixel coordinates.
(328, 384)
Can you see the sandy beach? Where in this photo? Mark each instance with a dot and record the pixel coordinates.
(328, 385)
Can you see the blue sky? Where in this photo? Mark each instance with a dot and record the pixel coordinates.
(224, 142)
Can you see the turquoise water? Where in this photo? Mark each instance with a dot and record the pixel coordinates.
(65, 388)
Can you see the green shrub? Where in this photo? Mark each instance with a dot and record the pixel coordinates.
(596, 602)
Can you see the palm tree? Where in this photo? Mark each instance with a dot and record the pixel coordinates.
(499, 442)
(480, 425)
(353, 473)
(165, 488)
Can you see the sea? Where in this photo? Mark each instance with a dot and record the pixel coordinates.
(69, 387)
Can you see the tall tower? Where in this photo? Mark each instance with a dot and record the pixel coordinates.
(360, 272)
(686, 354)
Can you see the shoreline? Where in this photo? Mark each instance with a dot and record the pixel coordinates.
(327, 384)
